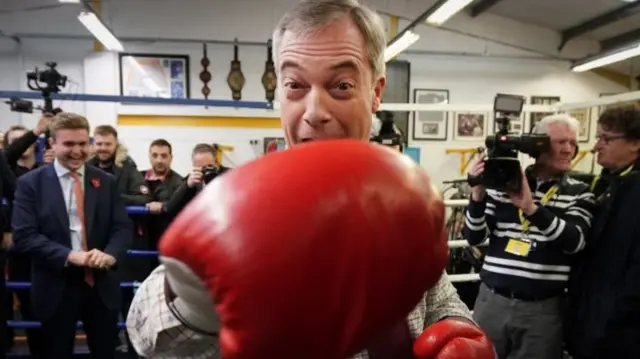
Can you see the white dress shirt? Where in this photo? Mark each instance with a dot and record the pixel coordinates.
(70, 201)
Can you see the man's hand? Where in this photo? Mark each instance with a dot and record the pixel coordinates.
(154, 207)
(453, 339)
(524, 199)
(195, 177)
(48, 156)
(478, 192)
(78, 259)
(7, 240)
(43, 124)
(99, 260)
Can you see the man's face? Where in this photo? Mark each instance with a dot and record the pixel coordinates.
(613, 150)
(326, 85)
(203, 159)
(14, 135)
(563, 146)
(160, 159)
(71, 147)
(105, 147)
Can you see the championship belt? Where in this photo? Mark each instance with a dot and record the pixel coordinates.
(236, 79)
(205, 75)
(269, 79)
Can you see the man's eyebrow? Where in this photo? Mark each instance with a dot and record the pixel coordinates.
(347, 64)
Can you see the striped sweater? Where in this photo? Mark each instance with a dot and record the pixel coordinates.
(558, 229)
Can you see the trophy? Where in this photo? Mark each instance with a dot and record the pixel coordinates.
(269, 79)
(205, 75)
(236, 80)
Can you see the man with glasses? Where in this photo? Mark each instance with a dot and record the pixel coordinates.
(603, 319)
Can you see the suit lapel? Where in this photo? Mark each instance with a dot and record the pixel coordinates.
(90, 197)
(58, 203)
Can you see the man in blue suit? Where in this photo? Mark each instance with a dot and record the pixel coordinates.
(69, 219)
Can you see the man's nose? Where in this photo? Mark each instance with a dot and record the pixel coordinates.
(317, 112)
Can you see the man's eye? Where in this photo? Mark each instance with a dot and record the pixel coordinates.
(344, 86)
(292, 85)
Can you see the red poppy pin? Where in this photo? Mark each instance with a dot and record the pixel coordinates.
(95, 182)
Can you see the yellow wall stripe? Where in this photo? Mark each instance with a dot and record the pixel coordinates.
(197, 121)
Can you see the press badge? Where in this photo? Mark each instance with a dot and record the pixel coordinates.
(518, 247)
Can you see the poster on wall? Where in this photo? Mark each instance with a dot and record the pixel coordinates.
(470, 126)
(584, 118)
(430, 125)
(534, 117)
(144, 75)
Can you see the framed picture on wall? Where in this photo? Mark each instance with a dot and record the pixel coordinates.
(154, 75)
(273, 144)
(534, 117)
(470, 126)
(430, 125)
(584, 117)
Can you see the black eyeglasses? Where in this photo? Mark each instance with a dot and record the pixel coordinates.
(606, 139)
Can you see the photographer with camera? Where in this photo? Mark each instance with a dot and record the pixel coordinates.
(205, 169)
(533, 234)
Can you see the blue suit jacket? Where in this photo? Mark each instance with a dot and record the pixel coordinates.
(41, 231)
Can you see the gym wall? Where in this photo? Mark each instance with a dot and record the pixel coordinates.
(470, 67)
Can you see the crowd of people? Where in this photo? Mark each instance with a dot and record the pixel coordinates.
(560, 272)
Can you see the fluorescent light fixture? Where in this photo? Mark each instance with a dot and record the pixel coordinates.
(407, 39)
(99, 31)
(447, 10)
(608, 59)
(70, 1)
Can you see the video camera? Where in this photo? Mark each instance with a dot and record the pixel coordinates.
(388, 136)
(209, 173)
(47, 82)
(502, 169)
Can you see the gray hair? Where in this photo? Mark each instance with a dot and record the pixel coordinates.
(309, 16)
(543, 125)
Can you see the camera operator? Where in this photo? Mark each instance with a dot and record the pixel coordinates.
(532, 236)
(205, 169)
(20, 152)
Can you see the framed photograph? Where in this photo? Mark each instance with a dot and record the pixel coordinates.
(430, 125)
(534, 117)
(273, 144)
(470, 126)
(153, 75)
(584, 117)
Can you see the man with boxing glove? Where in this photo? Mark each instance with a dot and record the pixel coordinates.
(329, 55)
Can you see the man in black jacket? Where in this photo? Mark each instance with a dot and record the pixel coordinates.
(20, 148)
(7, 189)
(205, 168)
(603, 319)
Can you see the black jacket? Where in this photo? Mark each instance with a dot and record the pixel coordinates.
(603, 313)
(130, 181)
(184, 194)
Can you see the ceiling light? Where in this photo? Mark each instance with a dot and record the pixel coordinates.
(446, 11)
(99, 31)
(608, 59)
(70, 1)
(407, 39)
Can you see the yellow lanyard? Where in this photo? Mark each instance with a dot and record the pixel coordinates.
(544, 200)
(622, 174)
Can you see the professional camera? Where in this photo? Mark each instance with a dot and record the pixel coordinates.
(502, 169)
(387, 135)
(47, 82)
(209, 173)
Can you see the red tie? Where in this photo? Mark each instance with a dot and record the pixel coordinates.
(79, 193)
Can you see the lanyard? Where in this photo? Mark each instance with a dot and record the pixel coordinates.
(544, 200)
(622, 174)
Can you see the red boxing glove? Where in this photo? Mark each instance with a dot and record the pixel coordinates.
(313, 251)
(453, 339)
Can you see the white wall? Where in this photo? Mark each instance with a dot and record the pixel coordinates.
(455, 63)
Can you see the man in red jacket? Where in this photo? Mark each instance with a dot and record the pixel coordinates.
(329, 55)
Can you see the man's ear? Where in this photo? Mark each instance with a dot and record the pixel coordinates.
(51, 141)
(377, 93)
